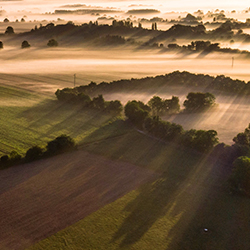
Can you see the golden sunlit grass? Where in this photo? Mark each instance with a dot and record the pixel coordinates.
(28, 119)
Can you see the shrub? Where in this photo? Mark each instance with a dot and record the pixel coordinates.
(9, 30)
(62, 143)
(25, 44)
(52, 43)
(34, 153)
(4, 159)
(15, 157)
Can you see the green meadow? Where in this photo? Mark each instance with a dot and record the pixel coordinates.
(28, 119)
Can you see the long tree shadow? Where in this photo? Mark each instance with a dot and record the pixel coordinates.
(216, 219)
(50, 117)
(154, 201)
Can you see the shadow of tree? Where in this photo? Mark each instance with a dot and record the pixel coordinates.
(215, 220)
(51, 118)
(166, 196)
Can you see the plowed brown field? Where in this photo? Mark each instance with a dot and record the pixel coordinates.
(43, 197)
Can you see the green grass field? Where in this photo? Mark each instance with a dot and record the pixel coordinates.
(28, 119)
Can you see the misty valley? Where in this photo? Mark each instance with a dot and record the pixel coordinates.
(124, 125)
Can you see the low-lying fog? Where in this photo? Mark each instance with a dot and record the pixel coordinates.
(230, 116)
(45, 70)
(116, 64)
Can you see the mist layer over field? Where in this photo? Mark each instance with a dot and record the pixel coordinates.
(46, 70)
(116, 64)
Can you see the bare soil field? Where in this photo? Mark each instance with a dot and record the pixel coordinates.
(41, 198)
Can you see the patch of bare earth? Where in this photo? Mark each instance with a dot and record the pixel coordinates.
(41, 198)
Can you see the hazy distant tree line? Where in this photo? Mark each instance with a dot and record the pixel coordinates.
(176, 78)
(205, 47)
(60, 144)
(116, 33)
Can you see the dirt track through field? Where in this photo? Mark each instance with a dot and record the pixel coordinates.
(41, 198)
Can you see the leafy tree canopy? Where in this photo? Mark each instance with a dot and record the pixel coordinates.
(9, 30)
(199, 101)
(240, 178)
(52, 43)
(25, 44)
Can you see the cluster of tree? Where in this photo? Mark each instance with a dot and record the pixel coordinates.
(110, 40)
(223, 32)
(190, 19)
(198, 101)
(160, 106)
(240, 177)
(139, 114)
(25, 44)
(243, 138)
(6, 20)
(156, 105)
(121, 23)
(154, 26)
(236, 158)
(69, 95)
(197, 46)
(89, 32)
(59, 145)
(205, 47)
(176, 78)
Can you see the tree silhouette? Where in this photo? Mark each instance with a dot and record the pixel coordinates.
(25, 44)
(199, 101)
(62, 143)
(9, 30)
(52, 43)
(240, 178)
(33, 153)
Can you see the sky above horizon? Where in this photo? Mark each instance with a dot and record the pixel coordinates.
(170, 5)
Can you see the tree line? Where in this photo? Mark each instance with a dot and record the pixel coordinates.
(205, 47)
(236, 156)
(69, 95)
(176, 78)
(60, 144)
(138, 114)
(196, 101)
